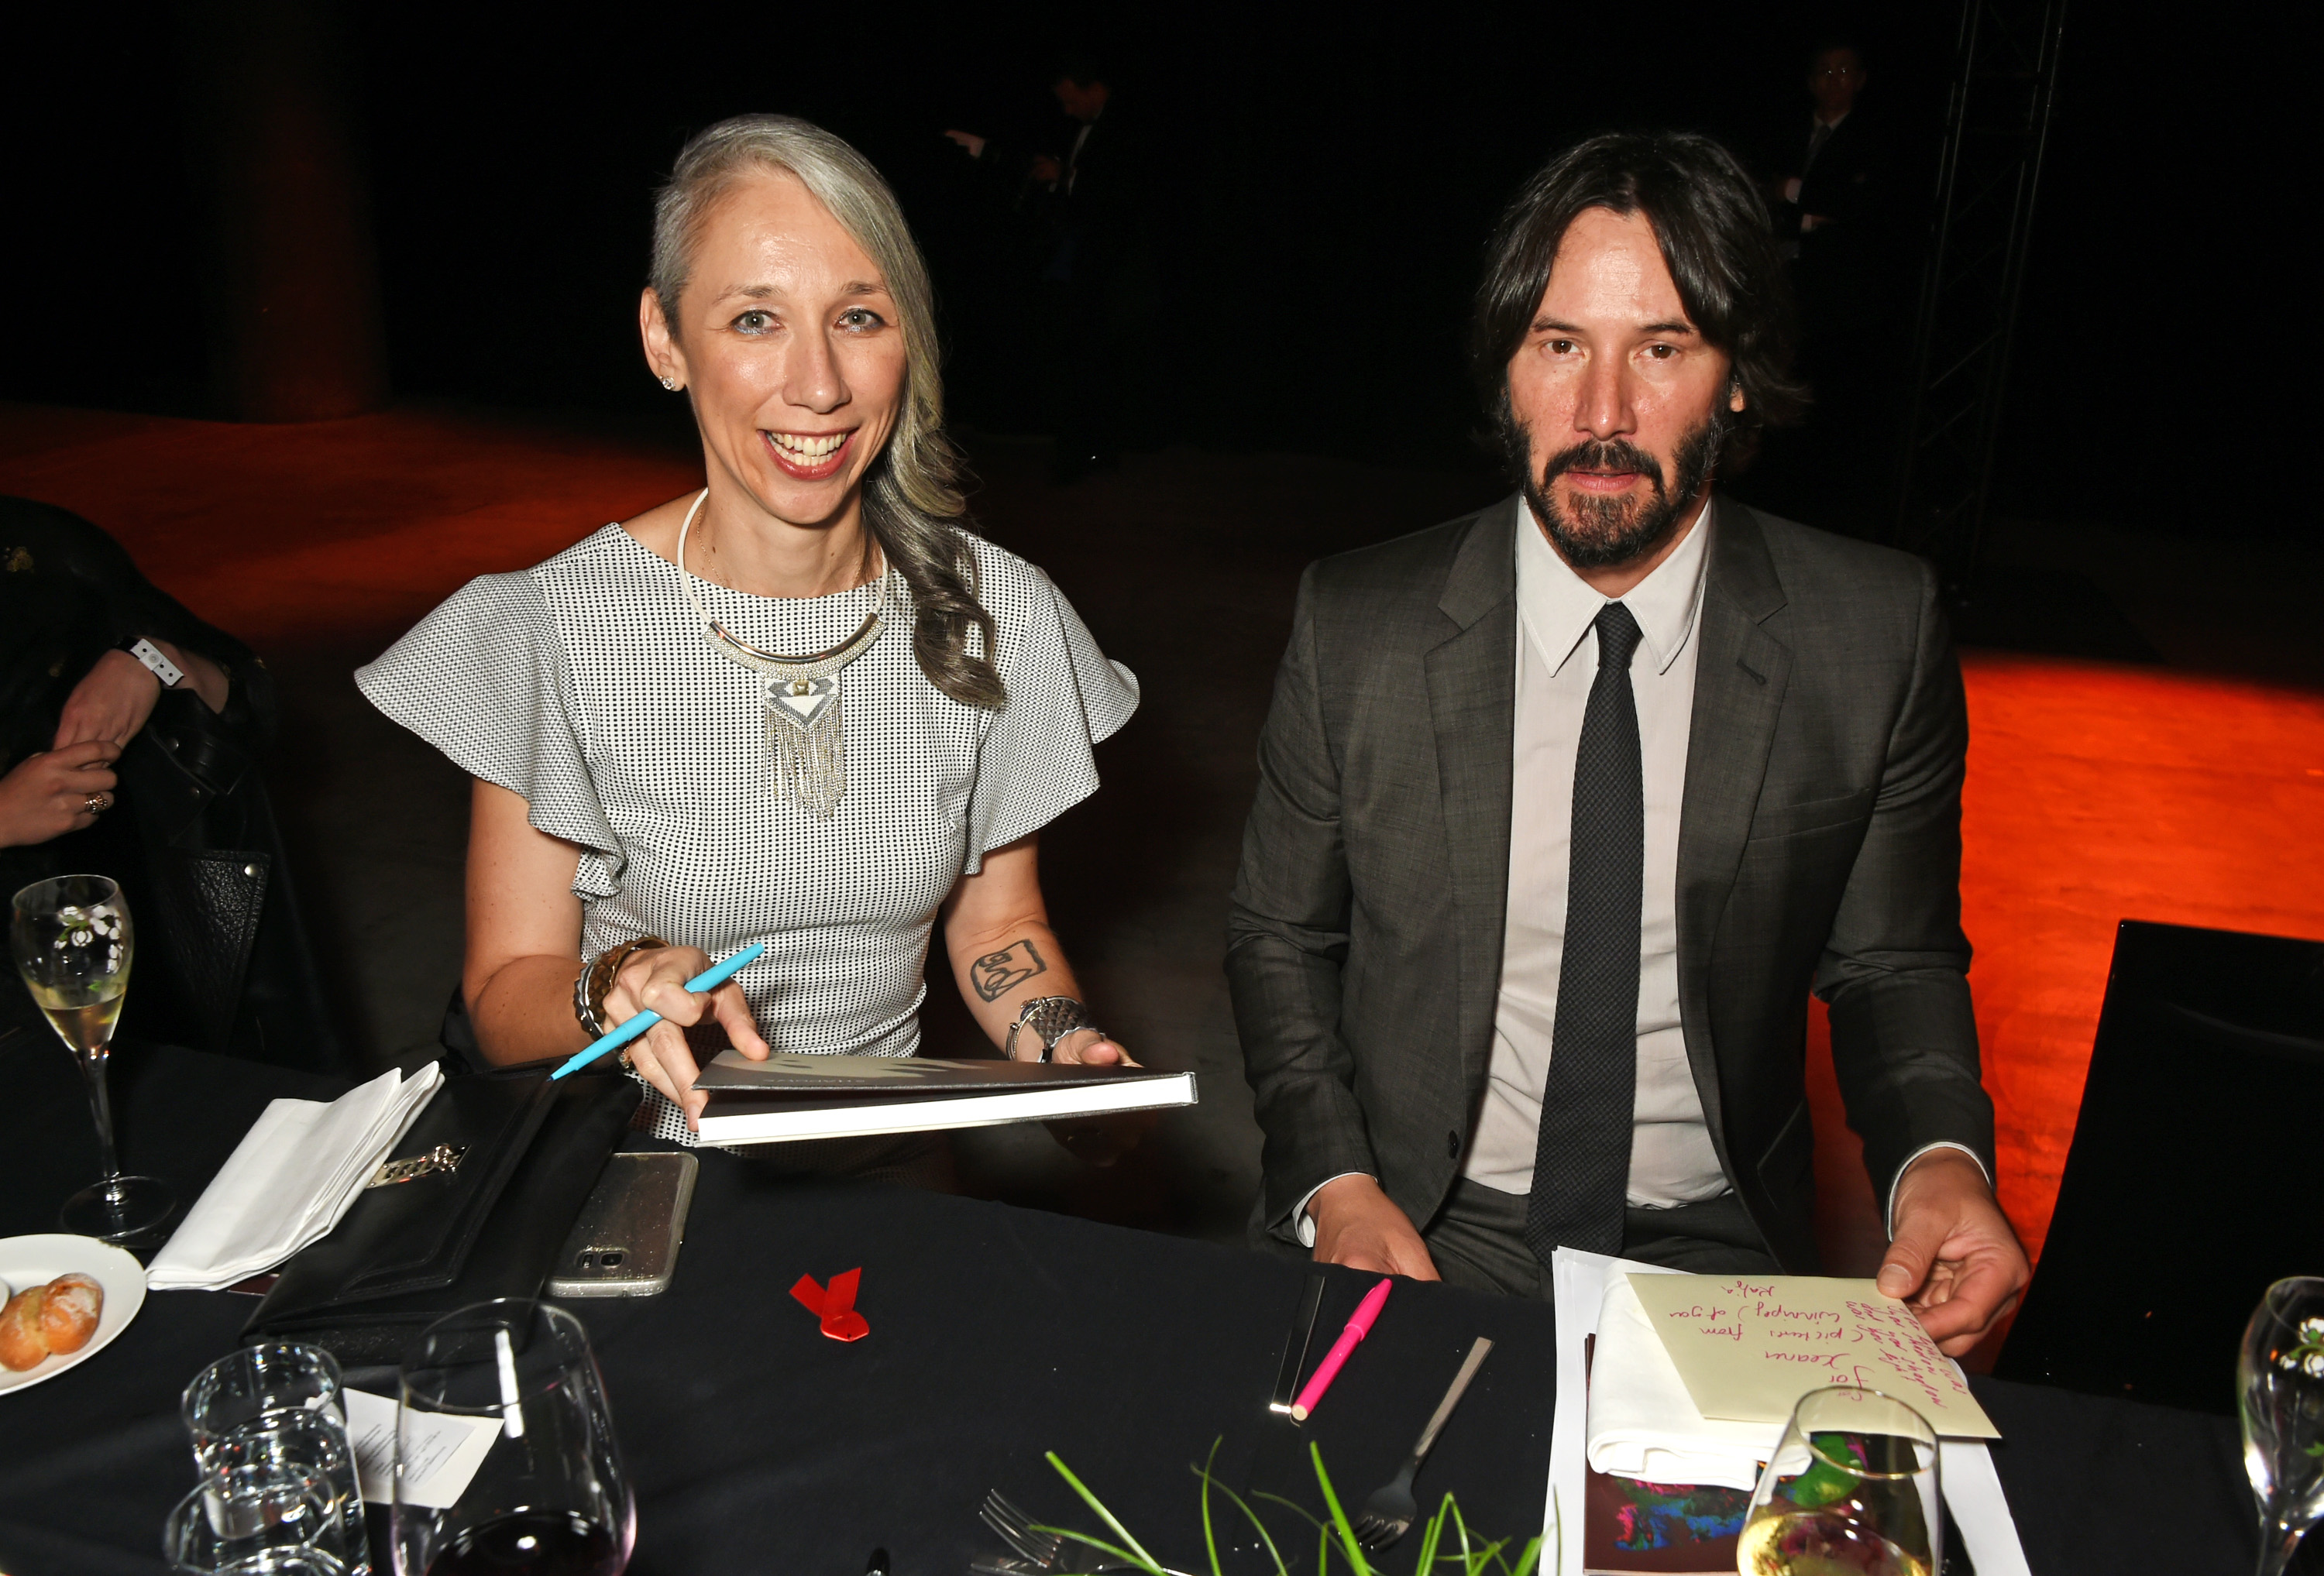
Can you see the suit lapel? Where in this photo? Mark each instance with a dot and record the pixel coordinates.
(1740, 674)
(1472, 703)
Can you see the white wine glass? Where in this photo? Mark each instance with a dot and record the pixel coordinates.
(1851, 1491)
(2280, 1399)
(73, 943)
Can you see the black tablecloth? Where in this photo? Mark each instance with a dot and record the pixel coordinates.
(996, 1333)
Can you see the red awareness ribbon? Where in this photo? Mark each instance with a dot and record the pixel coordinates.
(836, 1308)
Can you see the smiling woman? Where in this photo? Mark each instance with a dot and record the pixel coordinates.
(694, 729)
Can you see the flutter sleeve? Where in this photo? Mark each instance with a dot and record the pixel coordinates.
(1065, 695)
(483, 679)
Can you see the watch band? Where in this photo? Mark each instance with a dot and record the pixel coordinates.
(596, 980)
(147, 652)
(1052, 1018)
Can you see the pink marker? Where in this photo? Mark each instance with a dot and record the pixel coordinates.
(1359, 1324)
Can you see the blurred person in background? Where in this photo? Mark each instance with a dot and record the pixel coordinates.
(1834, 213)
(1088, 200)
(129, 730)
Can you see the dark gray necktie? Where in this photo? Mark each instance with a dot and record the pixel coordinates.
(1817, 137)
(1582, 1162)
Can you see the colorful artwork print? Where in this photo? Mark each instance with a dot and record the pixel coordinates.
(1672, 1516)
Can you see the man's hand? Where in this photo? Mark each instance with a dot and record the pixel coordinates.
(1360, 1226)
(1047, 169)
(969, 143)
(47, 795)
(1954, 1258)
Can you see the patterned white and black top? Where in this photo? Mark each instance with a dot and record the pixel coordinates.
(587, 685)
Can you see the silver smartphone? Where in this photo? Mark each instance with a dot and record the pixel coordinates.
(625, 1242)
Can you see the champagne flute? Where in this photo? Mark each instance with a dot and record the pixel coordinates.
(72, 942)
(2280, 1399)
(550, 1497)
(1851, 1491)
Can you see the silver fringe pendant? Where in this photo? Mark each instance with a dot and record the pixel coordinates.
(805, 733)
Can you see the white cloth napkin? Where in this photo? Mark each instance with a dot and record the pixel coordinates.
(1643, 1424)
(292, 1177)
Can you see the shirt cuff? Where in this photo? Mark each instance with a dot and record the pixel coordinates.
(1888, 1216)
(1301, 1224)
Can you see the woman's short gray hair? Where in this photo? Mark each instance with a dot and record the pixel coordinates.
(912, 499)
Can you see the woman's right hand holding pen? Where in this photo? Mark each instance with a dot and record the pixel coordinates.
(654, 979)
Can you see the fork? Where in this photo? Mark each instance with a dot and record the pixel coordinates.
(1041, 1553)
(1015, 1528)
(1388, 1514)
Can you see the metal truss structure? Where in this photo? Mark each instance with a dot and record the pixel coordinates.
(1989, 176)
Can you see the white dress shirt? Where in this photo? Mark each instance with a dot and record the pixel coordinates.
(1672, 1160)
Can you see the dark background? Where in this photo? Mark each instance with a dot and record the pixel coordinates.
(1328, 183)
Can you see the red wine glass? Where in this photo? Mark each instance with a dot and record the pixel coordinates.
(515, 1382)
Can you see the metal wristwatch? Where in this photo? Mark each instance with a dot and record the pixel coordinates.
(1052, 1018)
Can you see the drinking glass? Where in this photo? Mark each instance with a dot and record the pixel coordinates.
(550, 1497)
(262, 1521)
(1851, 1491)
(276, 1410)
(2280, 1399)
(72, 940)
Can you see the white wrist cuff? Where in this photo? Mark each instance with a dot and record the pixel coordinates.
(162, 669)
(1303, 1224)
(1888, 1215)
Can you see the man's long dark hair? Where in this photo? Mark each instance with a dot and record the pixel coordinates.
(1715, 240)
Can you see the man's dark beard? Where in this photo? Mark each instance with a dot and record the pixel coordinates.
(1610, 532)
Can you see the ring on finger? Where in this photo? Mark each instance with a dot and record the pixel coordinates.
(98, 803)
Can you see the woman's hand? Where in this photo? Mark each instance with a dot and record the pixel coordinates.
(655, 981)
(47, 795)
(1085, 1048)
(1004, 955)
(111, 702)
(1094, 1141)
(115, 696)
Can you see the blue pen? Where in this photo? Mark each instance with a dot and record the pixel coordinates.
(709, 978)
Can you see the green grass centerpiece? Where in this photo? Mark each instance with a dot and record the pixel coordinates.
(1444, 1537)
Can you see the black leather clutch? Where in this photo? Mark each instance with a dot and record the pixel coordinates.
(409, 1251)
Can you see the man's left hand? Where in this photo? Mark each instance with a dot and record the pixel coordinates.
(1954, 1258)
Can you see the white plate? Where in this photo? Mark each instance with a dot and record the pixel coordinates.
(31, 1261)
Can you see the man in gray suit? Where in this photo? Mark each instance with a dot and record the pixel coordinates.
(1565, 805)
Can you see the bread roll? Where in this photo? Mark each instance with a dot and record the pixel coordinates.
(20, 1345)
(68, 1312)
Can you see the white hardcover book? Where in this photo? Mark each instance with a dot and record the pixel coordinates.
(788, 1098)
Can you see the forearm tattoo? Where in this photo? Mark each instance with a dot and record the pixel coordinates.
(997, 973)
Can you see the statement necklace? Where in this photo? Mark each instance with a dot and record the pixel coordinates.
(803, 726)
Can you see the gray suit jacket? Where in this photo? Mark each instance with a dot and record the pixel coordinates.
(1818, 846)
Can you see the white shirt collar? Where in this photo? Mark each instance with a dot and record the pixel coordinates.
(1558, 606)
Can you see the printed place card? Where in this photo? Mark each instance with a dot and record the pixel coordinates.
(442, 1451)
(1748, 1347)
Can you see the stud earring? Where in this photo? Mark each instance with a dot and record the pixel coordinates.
(670, 383)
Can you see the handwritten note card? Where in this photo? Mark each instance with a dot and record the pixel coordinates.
(1749, 1347)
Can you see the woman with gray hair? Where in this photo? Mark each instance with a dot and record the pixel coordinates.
(805, 705)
